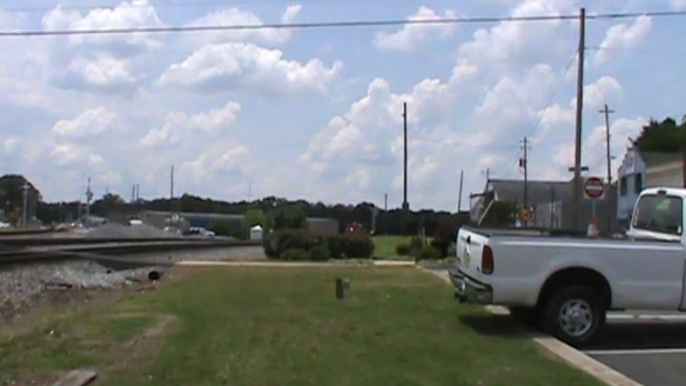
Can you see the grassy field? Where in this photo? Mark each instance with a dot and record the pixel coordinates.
(270, 326)
(384, 246)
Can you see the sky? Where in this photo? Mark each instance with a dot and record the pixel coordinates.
(316, 114)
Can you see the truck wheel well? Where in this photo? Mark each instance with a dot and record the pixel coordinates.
(576, 276)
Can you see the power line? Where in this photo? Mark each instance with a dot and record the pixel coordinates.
(147, 5)
(334, 24)
(556, 88)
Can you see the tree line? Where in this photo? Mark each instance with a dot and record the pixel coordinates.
(386, 222)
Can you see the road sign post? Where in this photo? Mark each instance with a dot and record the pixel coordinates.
(594, 190)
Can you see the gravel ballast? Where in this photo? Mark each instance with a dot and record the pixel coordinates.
(21, 286)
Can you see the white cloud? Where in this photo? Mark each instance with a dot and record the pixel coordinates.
(178, 125)
(71, 155)
(236, 16)
(291, 13)
(413, 36)
(90, 123)
(622, 37)
(221, 67)
(520, 45)
(102, 74)
(133, 14)
(360, 151)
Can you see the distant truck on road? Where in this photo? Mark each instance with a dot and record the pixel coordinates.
(565, 283)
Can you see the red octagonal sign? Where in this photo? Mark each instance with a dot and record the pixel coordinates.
(594, 187)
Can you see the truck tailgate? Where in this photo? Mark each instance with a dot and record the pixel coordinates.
(470, 247)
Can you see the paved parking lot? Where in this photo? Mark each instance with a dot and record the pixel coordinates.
(648, 347)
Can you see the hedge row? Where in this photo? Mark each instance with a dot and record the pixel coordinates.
(302, 245)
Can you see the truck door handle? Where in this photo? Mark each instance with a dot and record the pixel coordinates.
(469, 239)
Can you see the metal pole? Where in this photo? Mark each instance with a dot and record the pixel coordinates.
(607, 113)
(89, 197)
(171, 198)
(459, 200)
(579, 117)
(405, 153)
(385, 212)
(24, 215)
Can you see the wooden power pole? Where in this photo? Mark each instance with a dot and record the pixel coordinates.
(406, 205)
(576, 197)
(606, 110)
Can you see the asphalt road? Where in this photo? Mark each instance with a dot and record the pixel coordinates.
(650, 348)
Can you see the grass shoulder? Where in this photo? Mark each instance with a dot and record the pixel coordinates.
(247, 326)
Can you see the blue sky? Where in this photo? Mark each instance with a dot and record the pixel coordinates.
(316, 114)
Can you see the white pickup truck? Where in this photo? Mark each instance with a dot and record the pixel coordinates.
(566, 283)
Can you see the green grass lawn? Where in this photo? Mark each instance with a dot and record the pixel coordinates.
(270, 326)
(384, 246)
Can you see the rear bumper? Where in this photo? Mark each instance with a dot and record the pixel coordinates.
(468, 290)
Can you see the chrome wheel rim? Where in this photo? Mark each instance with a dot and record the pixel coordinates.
(576, 317)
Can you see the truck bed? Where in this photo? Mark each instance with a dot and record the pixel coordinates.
(532, 232)
(558, 233)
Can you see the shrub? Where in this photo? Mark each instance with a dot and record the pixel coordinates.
(427, 253)
(295, 254)
(416, 242)
(320, 253)
(441, 245)
(269, 249)
(280, 241)
(452, 250)
(336, 246)
(359, 246)
(403, 249)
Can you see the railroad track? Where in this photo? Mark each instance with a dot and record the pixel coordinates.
(52, 241)
(108, 252)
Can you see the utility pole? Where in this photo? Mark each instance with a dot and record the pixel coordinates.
(607, 113)
(576, 197)
(385, 212)
(89, 197)
(406, 205)
(524, 163)
(249, 189)
(459, 200)
(24, 213)
(171, 197)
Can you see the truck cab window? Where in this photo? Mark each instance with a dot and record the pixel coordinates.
(659, 213)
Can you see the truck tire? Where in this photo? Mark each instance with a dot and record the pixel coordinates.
(575, 314)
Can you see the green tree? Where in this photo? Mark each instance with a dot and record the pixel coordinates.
(290, 217)
(255, 217)
(109, 201)
(12, 196)
(664, 137)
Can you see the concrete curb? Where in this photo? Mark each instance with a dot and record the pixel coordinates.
(276, 264)
(566, 353)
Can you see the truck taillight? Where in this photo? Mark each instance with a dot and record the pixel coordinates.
(487, 262)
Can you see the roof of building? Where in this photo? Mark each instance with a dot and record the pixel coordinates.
(537, 191)
(653, 159)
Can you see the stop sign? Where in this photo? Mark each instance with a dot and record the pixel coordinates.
(594, 187)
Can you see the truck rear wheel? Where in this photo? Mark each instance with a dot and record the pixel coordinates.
(575, 314)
